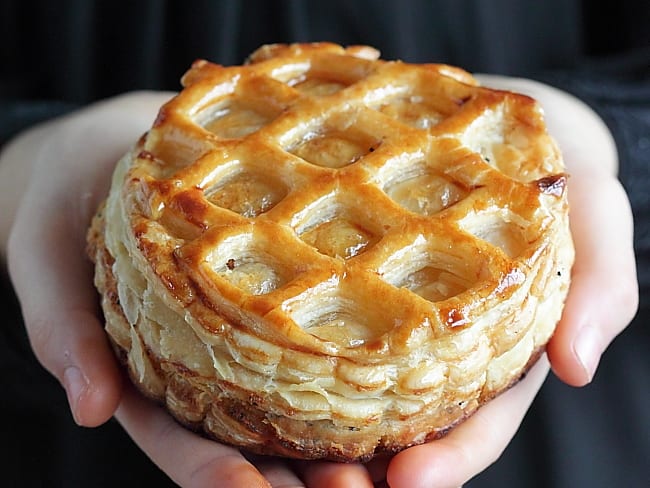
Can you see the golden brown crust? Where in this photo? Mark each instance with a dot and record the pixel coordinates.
(325, 255)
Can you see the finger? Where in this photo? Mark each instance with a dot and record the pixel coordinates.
(188, 459)
(470, 447)
(54, 285)
(322, 474)
(47, 263)
(603, 297)
(277, 472)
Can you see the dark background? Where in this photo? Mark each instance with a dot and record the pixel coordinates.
(56, 56)
(75, 51)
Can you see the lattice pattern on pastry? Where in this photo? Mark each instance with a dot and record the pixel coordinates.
(342, 227)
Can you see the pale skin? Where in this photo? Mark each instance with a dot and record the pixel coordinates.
(53, 176)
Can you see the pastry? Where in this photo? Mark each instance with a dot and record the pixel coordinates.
(324, 255)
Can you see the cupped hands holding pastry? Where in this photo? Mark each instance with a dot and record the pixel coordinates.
(53, 176)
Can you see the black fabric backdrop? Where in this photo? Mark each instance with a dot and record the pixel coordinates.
(55, 56)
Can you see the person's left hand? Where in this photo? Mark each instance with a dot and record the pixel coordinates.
(55, 175)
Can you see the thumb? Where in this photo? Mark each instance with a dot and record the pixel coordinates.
(603, 297)
(53, 283)
(71, 160)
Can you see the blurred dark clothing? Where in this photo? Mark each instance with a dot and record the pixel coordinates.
(75, 51)
(56, 56)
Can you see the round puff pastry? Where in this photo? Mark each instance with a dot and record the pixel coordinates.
(321, 254)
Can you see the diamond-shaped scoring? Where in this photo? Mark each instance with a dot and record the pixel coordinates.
(334, 139)
(509, 136)
(410, 109)
(324, 75)
(252, 266)
(221, 178)
(339, 226)
(436, 267)
(246, 192)
(334, 147)
(422, 100)
(423, 183)
(248, 266)
(340, 237)
(321, 79)
(233, 118)
(319, 87)
(247, 259)
(237, 107)
(348, 310)
(502, 228)
(229, 178)
(426, 192)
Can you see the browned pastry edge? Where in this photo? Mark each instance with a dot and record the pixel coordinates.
(248, 410)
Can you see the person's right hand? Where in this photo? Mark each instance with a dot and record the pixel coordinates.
(602, 300)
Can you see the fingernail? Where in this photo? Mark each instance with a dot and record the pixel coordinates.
(588, 349)
(75, 385)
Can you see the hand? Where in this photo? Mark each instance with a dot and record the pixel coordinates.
(604, 293)
(53, 177)
(602, 300)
